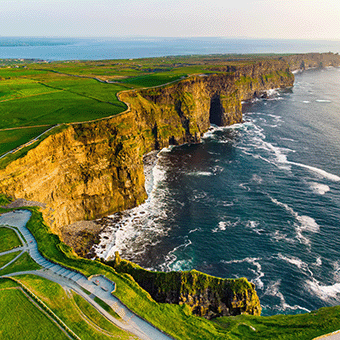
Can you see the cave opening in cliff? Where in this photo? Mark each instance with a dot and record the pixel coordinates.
(216, 110)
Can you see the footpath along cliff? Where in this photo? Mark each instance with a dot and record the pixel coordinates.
(93, 169)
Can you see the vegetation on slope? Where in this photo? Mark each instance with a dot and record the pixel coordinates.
(175, 320)
(21, 319)
(39, 95)
(9, 239)
(23, 263)
(69, 308)
(4, 259)
(206, 295)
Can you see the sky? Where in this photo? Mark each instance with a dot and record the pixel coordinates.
(283, 19)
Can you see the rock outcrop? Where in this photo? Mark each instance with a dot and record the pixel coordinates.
(93, 169)
(206, 295)
(302, 62)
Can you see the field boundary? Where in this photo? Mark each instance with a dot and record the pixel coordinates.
(36, 302)
(46, 309)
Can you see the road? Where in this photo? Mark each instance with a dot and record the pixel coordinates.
(98, 286)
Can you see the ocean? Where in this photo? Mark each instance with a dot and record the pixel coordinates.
(141, 47)
(259, 200)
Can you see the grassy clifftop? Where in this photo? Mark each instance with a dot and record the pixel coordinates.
(206, 295)
(88, 170)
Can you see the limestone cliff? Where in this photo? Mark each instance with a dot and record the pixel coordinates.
(302, 62)
(206, 295)
(89, 170)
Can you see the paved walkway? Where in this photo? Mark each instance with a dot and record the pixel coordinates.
(98, 286)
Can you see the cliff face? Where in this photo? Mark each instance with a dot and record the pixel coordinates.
(206, 295)
(302, 62)
(93, 169)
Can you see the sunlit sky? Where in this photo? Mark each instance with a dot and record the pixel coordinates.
(286, 19)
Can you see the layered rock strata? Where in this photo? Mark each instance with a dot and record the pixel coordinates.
(93, 169)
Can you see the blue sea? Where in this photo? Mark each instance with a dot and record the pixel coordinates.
(142, 47)
(259, 200)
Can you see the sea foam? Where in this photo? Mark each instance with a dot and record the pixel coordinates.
(319, 188)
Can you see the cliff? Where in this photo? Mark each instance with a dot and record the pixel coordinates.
(93, 169)
(302, 62)
(206, 295)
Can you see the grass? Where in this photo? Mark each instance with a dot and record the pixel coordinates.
(288, 327)
(7, 258)
(12, 139)
(21, 319)
(173, 319)
(23, 151)
(33, 94)
(107, 308)
(4, 200)
(53, 108)
(23, 263)
(93, 314)
(63, 305)
(150, 80)
(178, 320)
(9, 239)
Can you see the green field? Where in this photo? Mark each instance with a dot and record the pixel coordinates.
(302, 326)
(9, 239)
(35, 94)
(13, 138)
(178, 320)
(106, 307)
(7, 258)
(23, 263)
(21, 319)
(67, 306)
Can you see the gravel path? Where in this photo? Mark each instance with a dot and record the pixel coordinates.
(98, 286)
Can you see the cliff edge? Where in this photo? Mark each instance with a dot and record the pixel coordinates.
(205, 295)
(93, 169)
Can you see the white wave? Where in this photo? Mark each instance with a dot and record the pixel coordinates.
(323, 101)
(320, 172)
(288, 139)
(279, 236)
(272, 92)
(222, 225)
(319, 188)
(296, 262)
(200, 173)
(280, 155)
(181, 265)
(336, 274)
(194, 230)
(257, 179)
(325, 293)
(305, 223)
(217, 169)
(273, 290)
(133, 230)
(171, 262)
(254, 226)
(258, 272)
(297, 71)
(306, 101)
(244, 186)
(318, 262)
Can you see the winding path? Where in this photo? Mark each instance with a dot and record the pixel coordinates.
(98, 286)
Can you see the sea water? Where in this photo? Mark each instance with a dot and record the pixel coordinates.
(259, 200)
(143, 47)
